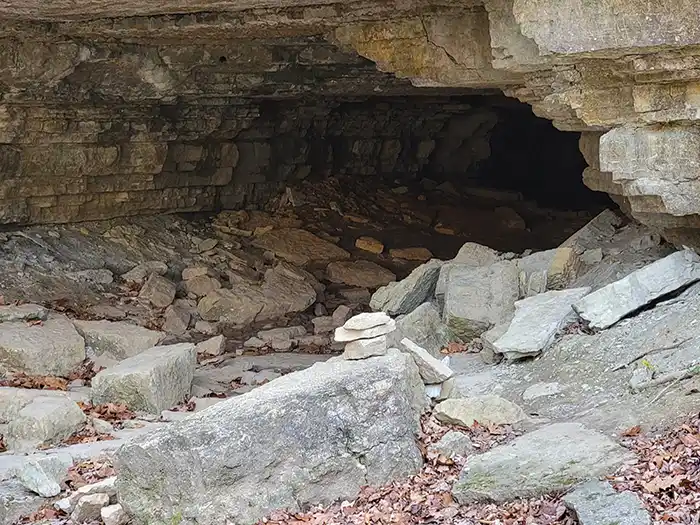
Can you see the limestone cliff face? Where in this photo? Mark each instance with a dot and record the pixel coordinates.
(115, 108)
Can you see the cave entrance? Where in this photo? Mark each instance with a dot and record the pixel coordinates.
(427, 171)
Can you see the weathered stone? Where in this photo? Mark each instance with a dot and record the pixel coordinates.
(593, 234)
(424, 327)
(356, 296)
(299, 247)
(89, 508)
(359, 273)
(206, 328)
(44, 420)
(285, 291)
(201, 285)
(52, 347)
(406, 295)
(153, 381)
(114, 515)
(343, 335)
(453, 444)
(43, 474)
(432, 370)
(369, 244)
(474, 255)
(176, 320)
(323, 324)
(606, 306)
(117, 338)
(488, 353)
(340, 315)
(364, 348)
(207, 244)
(541, 390)
(411, 254)
(95, 276)
(239, 306)
(287, 332)
(366, 320)
(549, 270)
(158, 290)
(22, 312)
(479, 298)
(212, 346)
(17, 502)
(485, 410)
(537, 321)
(325, 415)
(194, 271)
(552, 458)
(139, 272)
(596, 503)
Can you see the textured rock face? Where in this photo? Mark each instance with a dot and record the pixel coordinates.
(308, 437)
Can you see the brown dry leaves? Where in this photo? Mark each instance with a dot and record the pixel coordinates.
(666, 473)
(112, 412)
(426, 497)
(21, 380)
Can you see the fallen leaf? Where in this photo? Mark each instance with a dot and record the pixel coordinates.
(634, 431)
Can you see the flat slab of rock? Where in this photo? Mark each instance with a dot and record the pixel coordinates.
(597, 503)
(359, 273)
(117, 338)
(485, 410)
(366, 320)
(299, 247)
(308, 437)
(537, 321)
(606, 306)
(153, 381)
(479, 298)
(364, 348)
(424, 327)
(343, 335)
(46, 419)
(552, 458)
(408, 294)
(52, 347)
(22, 312)
(432, 370)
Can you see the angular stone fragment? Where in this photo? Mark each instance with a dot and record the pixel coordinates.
(432, 370)
(369, 244)
(340, 315)
(537, 321)
(239, 306)
(417, 253)
(114, 515)
(366, 320)
(158, 290)
(153, 381)
(176, 320)
(17, 502)
(299, 247)
(549, 270)
(479, 298)
(89, 508)
(485, 410)
(44, 420)
(287, 332)
(212, 346)
(52, 347)
(43, 474)
(201, 285)
(552, 458)
(406, 295)
(597, 503)
(424, 327)
(474, 255)
(364, 348)
(359, 273)
(323, 420)
(22, 312)
(343, 335)
(139, 272)
(606, 306)
(600, 229)
(323, 324)
(453, 444)
(117, 338)
(488, 353)
(194, 271)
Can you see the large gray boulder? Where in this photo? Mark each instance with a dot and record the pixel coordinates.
(117, 338)
(406, 295)
(597, 503)
(309, 437)
(550, 459)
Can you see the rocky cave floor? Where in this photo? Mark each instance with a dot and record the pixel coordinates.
(260, 293)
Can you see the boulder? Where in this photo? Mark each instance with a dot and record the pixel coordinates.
(324, 324)
(364, 348)
(406, 295)
(119, 339)
(606, 306)
(22, 312)
(424, 327)
(369, 244)
(310, 437)
(432, 370)
(43, 474)
(453, 444)
(194, 271)
(537, 321)
(474, 255)
(52, 347)
(552, 458)
(359, 273)
(158, 291)
(153, 381)
(488, 409)
(285, 291)
(600, 229)
(417, 253)
(549, 270)
(212, 346)
(597, 503)
(201, 285)
(238, 306)
(176, 320)
(299, 247)
(479, 298)
(46, 419)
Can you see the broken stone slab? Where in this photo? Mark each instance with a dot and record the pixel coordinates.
(359, 273)
(424, 327)
(548, 270)
(176, 320)
(552, 458)
(22, 312)
(364, 348)
(326, 416)
(432, 370)
(453, 444)
(286, 290)
(52, 347)
(139, 272)
(239, 306)
(488, 353)
(324, 324)
(12, 399)
(597, 503)
(479, 298)
(343, 335)
(105, 486)
(212, 346)
(340, 315)
(416, 253)
(606, 306)
(119, 339)
(406, 295)
(89, 508)
(367, 320)
(487, 409)
(600, 229)
(299, 247)
(43, 474)
(46, 420)
(537, 321)
(158, 291)
(152, 381)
